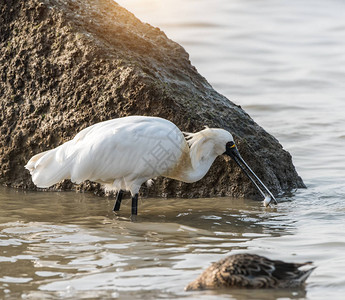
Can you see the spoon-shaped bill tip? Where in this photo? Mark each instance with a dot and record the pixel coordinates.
(267, 200)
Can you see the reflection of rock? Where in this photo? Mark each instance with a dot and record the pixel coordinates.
(68, 64)
(251, 271)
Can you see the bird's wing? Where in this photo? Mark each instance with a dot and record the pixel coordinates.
(245, 271)
(131, 146)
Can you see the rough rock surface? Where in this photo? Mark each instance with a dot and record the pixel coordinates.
(67, 64)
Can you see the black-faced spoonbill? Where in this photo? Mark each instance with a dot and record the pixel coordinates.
(251, 271)
(124, 153)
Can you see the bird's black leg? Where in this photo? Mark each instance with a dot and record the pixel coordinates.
(135, 205)
(118, 200)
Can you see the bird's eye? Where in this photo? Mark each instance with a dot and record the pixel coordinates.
(230, 145)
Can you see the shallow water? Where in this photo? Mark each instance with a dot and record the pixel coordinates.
(70, 245)
(284, 62)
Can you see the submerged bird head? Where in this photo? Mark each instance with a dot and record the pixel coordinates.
(212, 142)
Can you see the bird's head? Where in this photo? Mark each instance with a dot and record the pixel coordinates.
(208, 142)
(222, 142)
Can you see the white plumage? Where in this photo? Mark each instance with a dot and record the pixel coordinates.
(124, 153)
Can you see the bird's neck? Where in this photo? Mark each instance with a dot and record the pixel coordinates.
(200, 169)
(193, 164)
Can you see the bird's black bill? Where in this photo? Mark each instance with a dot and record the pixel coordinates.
(232, 151)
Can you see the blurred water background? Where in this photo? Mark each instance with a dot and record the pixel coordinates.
(284, 63)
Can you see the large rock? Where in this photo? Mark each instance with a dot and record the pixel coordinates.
(67, 64)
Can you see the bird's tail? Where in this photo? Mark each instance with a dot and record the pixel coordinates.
(305, 274)
(48, 168)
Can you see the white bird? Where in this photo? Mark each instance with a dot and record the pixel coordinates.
(124, 153)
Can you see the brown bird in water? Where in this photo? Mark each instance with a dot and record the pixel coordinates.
(251, 271)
